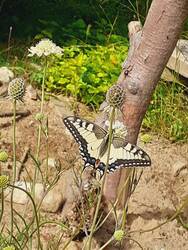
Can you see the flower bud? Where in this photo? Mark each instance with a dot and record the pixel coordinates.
(3, 156)
(4, 180)
(118, 235)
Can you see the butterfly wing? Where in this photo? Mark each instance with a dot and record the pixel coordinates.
(124, 154)
(88, 135)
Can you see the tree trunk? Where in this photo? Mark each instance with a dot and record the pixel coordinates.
(151, 49)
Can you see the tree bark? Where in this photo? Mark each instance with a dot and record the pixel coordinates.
(142, 71)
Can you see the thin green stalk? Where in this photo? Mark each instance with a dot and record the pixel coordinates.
(103, 181)
(14, 170)
(2, 204)
(115, 203)
(40, 126)
(39, 134)
(41, 109)
(47, 153)
(14, 141)
(107, 243)
(35, 212)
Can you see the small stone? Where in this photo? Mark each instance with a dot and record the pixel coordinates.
(73, 246)
(51, 162)
(178, 166)
(179, 58)
(21, 197)
(31, 93)
(6, 75)
(53, 200)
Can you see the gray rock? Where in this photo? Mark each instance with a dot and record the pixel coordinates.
(179, 58)
(53, 200)
(179, 166)
(168, 76)
(31, 93)
(6, 75)
(51, 162)
(20, 196)
(73, 246)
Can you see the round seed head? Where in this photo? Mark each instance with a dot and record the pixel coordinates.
(115, 96)
(3, 156)
(9, 248)
(39, 117)
(118, 235)
(4, 180)
(16, 89)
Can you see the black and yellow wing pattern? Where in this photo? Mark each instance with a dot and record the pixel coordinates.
(93, 143)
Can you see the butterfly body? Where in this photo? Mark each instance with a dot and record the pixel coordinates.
(93, 145)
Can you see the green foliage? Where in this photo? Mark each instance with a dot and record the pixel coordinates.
(63, 20)
(167, 113)
(85, 73)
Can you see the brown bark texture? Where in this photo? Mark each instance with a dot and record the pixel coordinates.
(149, 53)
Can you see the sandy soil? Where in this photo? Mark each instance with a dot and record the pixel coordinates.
(160, 192)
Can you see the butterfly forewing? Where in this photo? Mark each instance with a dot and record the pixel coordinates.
(88, 135)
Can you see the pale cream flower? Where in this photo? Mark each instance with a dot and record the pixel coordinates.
(45, 48)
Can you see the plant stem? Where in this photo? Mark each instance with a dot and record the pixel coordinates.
(103, 181)
(39, 134)
(2, 204)
(107, 243)
(35, 212)
(39, 127)
(41, 108)
(14, 169)
(14, 141)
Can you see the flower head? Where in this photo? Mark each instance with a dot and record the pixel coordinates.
(16, 89)
(39, 117)
(3, 156)
(9, 248)
(45, 48)
(115, 96)
(4, 180)
(119, 234)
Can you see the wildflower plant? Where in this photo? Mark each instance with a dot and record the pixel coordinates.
(115, 98)
(43, 49)
(16, 91)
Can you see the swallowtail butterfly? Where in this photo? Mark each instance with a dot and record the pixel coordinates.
(93, 144)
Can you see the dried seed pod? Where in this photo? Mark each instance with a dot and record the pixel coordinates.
(115, 96)
(16, 89)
